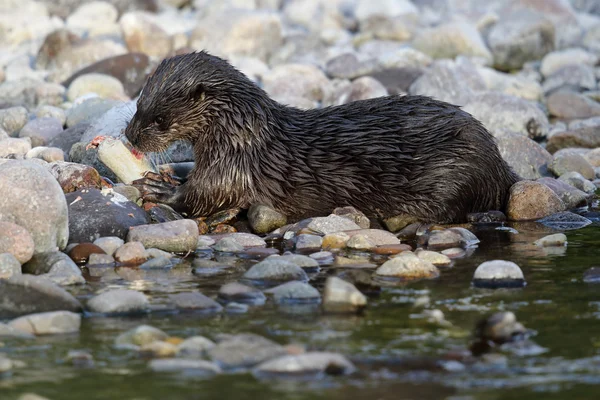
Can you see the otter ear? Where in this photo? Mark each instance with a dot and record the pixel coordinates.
(199, 92)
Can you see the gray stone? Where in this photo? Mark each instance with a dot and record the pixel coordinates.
(236, 292)
(13, 119)
(100, 260)
(498, 273)
(316, 363)
(228, 245)
(300, 260)
(571, 162)
(9, 331)
(131, 253)
(295, 80)
(444, 239)
(9, 266)
(139, 336)
(407, 266)
(569, 105)
(41, 130)
(437, 259)
(185, 367)
(295, 292)
(17, 241)
(572, 77)
(105, 86)
(307, 241)
(247, 239)
(89, 110)
(565, 221)
(532, 200)
(342, 296)
(194, 347)
(48, 154)
(556, 60)
(501, 112)
(557, 239)
(195, 301)
(109, 244)
(174, 236)
(360, 242)
(577, 180)
(264, 219)
(48, 323)
(14, 146)
(353, 215)
(142, 35)
(244, 351)
(526, 157)
(119, 301)
(379, 237)
(44, 212)
(56, 266)
(273, 269)
(47, 111)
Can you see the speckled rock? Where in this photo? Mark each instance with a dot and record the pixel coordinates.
(131, 253)
(264, 219)
(498, 273)
(48, 323)
(41, 130)
(13, 119)
(194, 301)
(407, 266)
(360, 242)
(295, 292)
(437, 259)
(228, 245)
(17, 241)
(9, 266)
(526, 157)
(295, 80)
(571, 162)
(557, 239)
(312, 363)
(275, 270)
(570, 196)
(48, 225)
(342, 296)
(244, 350)
(579, 137)
(56, 266)
(336, 240)
(118, 301)
(565, 104)
(532, 200)
(174, 236)
(109, 244)
(239, 293)
(73, 176)
(444, 239)
(14, 146)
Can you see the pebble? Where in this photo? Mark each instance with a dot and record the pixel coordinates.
(185, 367)
(48, 323)
(571, 162)
(48, 111)
(179, 236)
(204, 242)
(312, 363)
(557, 239)
(336, 240)
(100, 260)
(294, 292)
(570, 196)
(139, 336)
(322, 257)
(330, 224)
(407, 266)
(532, 200)
(565, 104)
(9, 266)
(73, 176)
(244, 351)
(89, 110)
(437, 259)
(392, 249)
(307, 241)
(131, 253)
(556, 60)
(264, 219)
(142, 35)
(105, 86)
(81, 252)
(340, 296)
(80, 359)
(454, 252)
(439, 240)
(498, 273)
(17, 241)
(41, 130)
(592, 275)
(578, 181)
(274, 270)
(305, 262)
(194, 347)
(110, 244)
(574, 77)
(48, 154)
(14, 146)
(236, 308)
(195, 301)
(360, 242)
(56, 266)
(119, 301)
(6, 365)
(379, 237)
(228, 245)
(13, 119)
(526, 157)
(159, 348)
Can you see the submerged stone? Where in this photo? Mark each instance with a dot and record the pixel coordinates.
(498, 273)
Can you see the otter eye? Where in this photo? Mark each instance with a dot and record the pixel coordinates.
(159, 120)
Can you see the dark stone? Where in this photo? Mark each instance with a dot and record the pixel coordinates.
(397, 80)
(565, 221)
(592, 275)
(81, 253)
(67, 138)
(586, 137)
(96, 215)
(527, 158)
(131, 69)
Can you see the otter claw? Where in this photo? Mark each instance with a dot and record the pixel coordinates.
(154, 191)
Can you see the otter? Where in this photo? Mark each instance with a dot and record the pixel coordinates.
(388, 156)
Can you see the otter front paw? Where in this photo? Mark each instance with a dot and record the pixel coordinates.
(157, 188)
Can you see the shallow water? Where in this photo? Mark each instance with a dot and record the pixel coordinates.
(399, 353)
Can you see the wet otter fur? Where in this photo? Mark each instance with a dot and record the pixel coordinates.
(388, 156)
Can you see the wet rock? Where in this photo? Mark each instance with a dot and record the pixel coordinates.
(236, 308)
(306, 241)
(14, 146)
(407, 266)
(274, 270)
(28, 294)
(48, 323)
(194, 347)
(56, 266)
(264, 219)
(577, 180)
(119, 301)
(569, 195)
(175, 236)
(452, 39)
(159, 349)
(557, 239)
(486, 217)
(322, 257)
(391, 249)
(109, 244)
(455, 252)
(501, 112)
(571, 77)
(295, 292)
(582, 137)
(144, 36)
(26, 180)
(100, 260)
(305, 262)
(13, 119)
(568, 162)
(9, 266)
(73, 176)
(244, 351)
(94, 214)
(240, 33)
(105, 86)
(312, 363)
(379, 237)
(261, 252)
(89, 110)
(592, 275)
(17, 241)
(468, 238)
(342, 296)
(131, 253)
(360, 242)
(498, 273)
(532, 200)
(336, 240)
(520, 37)
(236, 292)
(7, 331)
(437, 259)
(439, 240)
(139, 336)
(527, 158)
(570, 105)
(500, 328)
(394, 224)
(195, 301)
(353, 215)
(565, 221)
(185, 367)
(228, 245)
(81, 252)
(41, 130)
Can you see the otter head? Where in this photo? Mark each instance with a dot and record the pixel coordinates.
(186, 98)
